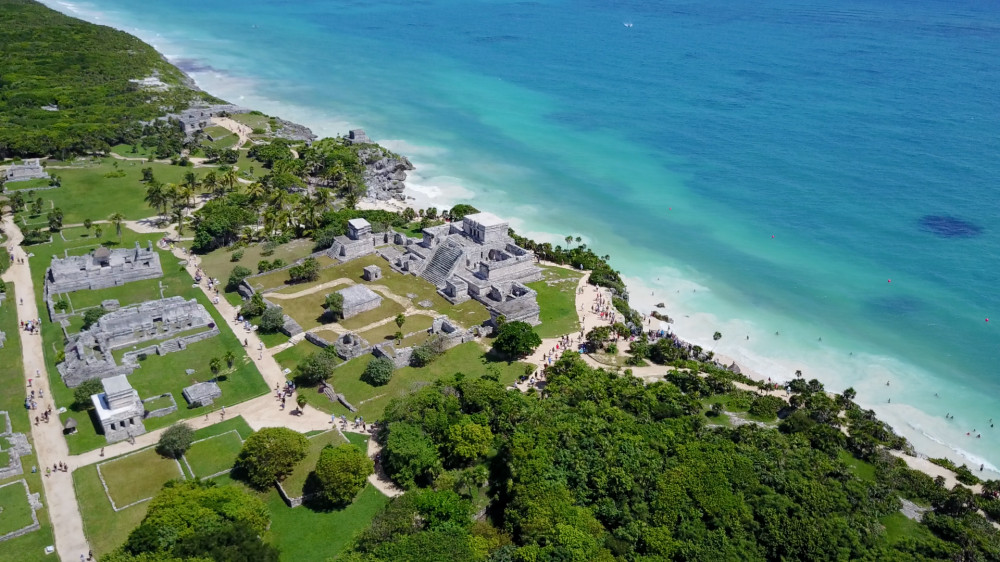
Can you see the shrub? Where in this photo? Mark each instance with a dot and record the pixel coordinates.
(342, 472)
(270, 454)
(263, 265)
(236, 256)
(175, 440)
(767, 407)
(315, 368)
(378, 371)
(308, 270)
(61, 305)
(253, 307)
(334, 305)
(237, 275)
(272, 320)
(92, 315)
(82, 394)
(517, 339)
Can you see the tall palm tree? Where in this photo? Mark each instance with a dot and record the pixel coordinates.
(230, 179)
(191, 181)
(256, 191)
(210, 183)
(117, 219)
(156, 196)
(185, 194)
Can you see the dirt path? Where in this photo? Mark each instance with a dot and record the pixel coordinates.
(239, 129)
(60, 496)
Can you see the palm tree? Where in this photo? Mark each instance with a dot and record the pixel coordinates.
(117, 219)
(191, 181)
(229, 358)
(98, 232)
(256, 191)
(185, 194)
(230, 179)
(210, 183)
(156, 196)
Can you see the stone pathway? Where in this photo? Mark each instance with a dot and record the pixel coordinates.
(49, 443)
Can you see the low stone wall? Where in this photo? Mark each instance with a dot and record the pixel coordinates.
(316, 340)
(160, 412)
(292, 502)
(34, 502)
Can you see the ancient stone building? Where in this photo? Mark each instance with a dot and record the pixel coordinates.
(371, 273)
(89, 353)
(119, 409)
(358, 299)
(202, 394)
(31, 169)
(102, 268)
(358, 242)
(474, 259)
(357, 136)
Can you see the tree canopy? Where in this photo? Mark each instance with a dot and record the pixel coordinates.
(270, 454)
(342, 472)
(517, 339)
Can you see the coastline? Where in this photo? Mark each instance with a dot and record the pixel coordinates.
(694, 330)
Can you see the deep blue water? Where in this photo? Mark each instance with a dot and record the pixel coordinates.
(786, 159)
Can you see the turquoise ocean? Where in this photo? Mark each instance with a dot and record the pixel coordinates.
(817, 180)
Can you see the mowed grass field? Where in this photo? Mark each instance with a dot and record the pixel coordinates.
(557, 301)
(137, 476)
(467, 358)
(87, 192)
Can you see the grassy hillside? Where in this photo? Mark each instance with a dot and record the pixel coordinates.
(50, 59)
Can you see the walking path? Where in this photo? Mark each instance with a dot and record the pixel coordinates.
(60, 496)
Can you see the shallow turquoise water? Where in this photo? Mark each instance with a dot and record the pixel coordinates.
(761, 169)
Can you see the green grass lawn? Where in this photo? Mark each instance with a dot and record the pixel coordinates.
(137, 476)
(292, 356)
(863, 470)
(105, 528)
(214, 454)
(297, 479)
(304, 534)
(140, 151)
(27, 184)
(385, 332)
(557, 301)
(467, 358)
(157, 374)
(899, 527)
(219, 263)
(87, 193)
(16, 511)
(252, 120)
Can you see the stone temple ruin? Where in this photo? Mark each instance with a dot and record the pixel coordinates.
(101, 269)
(358, 299)
(30, 170)
(15, 445)
(89, 353)
(358, 242)
(119, 409)
(202, 393)
(475, 259)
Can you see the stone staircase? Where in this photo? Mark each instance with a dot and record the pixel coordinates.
(442, 263)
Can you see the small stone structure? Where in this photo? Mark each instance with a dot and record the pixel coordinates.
(101, 269)
(202, 394)
(31, 169)
(358, 242)
(349, 346)
(3, 338)
(15, 445)
(357, 136)
(476, 259)
(199, 116)
(400, 357)
(358, 299)
(371, 273)
(89, 353)
(119, 409)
